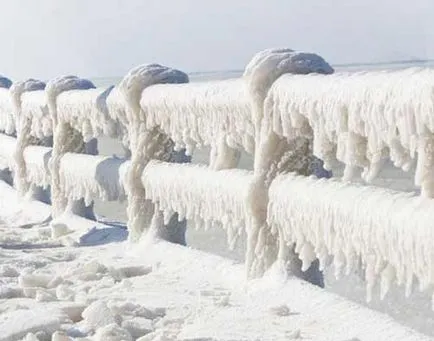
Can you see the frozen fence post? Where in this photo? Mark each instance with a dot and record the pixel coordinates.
(5, 83)
(23, 129)
(273, 154)
(145, 144)
(66, 139)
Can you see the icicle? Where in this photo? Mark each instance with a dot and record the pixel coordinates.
(387, 277)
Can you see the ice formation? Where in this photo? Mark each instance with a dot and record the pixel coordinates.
(7, 149)
(7, 119)
(91, 177)
(273, 154)
(202, 114)
(145, 144)
(36, 160)
(35, 108)
(361, 118)
(23, 128)
(86, 111)
(390, 232)
(65, 138)
(199, 194)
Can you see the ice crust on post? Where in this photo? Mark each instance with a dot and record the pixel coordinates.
(273, 154)
(23, 128)
(65, 139)
(145, 144)
(7, 120)
(389, 232)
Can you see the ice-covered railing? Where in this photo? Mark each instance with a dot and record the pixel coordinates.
(215, 114)
(201, 195)
(7, 118)
(360, 119)
(390, 232)
(287, 107)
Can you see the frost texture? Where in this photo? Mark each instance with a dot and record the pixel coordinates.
(390, 232)
(199, 194)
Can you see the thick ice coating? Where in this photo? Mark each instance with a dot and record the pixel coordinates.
(7, 117)
(86, 111)
(92, 176)
(390, 232)
(23, 128)
(145, 144)
(65, 138)
(273, 154)
(201, 114)
(361, 118)
(199, 194)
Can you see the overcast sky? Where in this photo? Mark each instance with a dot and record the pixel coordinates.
(95, 38)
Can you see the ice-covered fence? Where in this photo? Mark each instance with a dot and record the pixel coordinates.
(199, 194)
(92, 176)
(390, 232)
(7, 150)
(287, 107)
(7, 118)
(215, 114)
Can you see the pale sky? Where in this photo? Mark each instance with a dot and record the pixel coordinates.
(96, 38)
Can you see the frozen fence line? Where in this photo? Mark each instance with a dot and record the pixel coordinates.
(286, 109)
